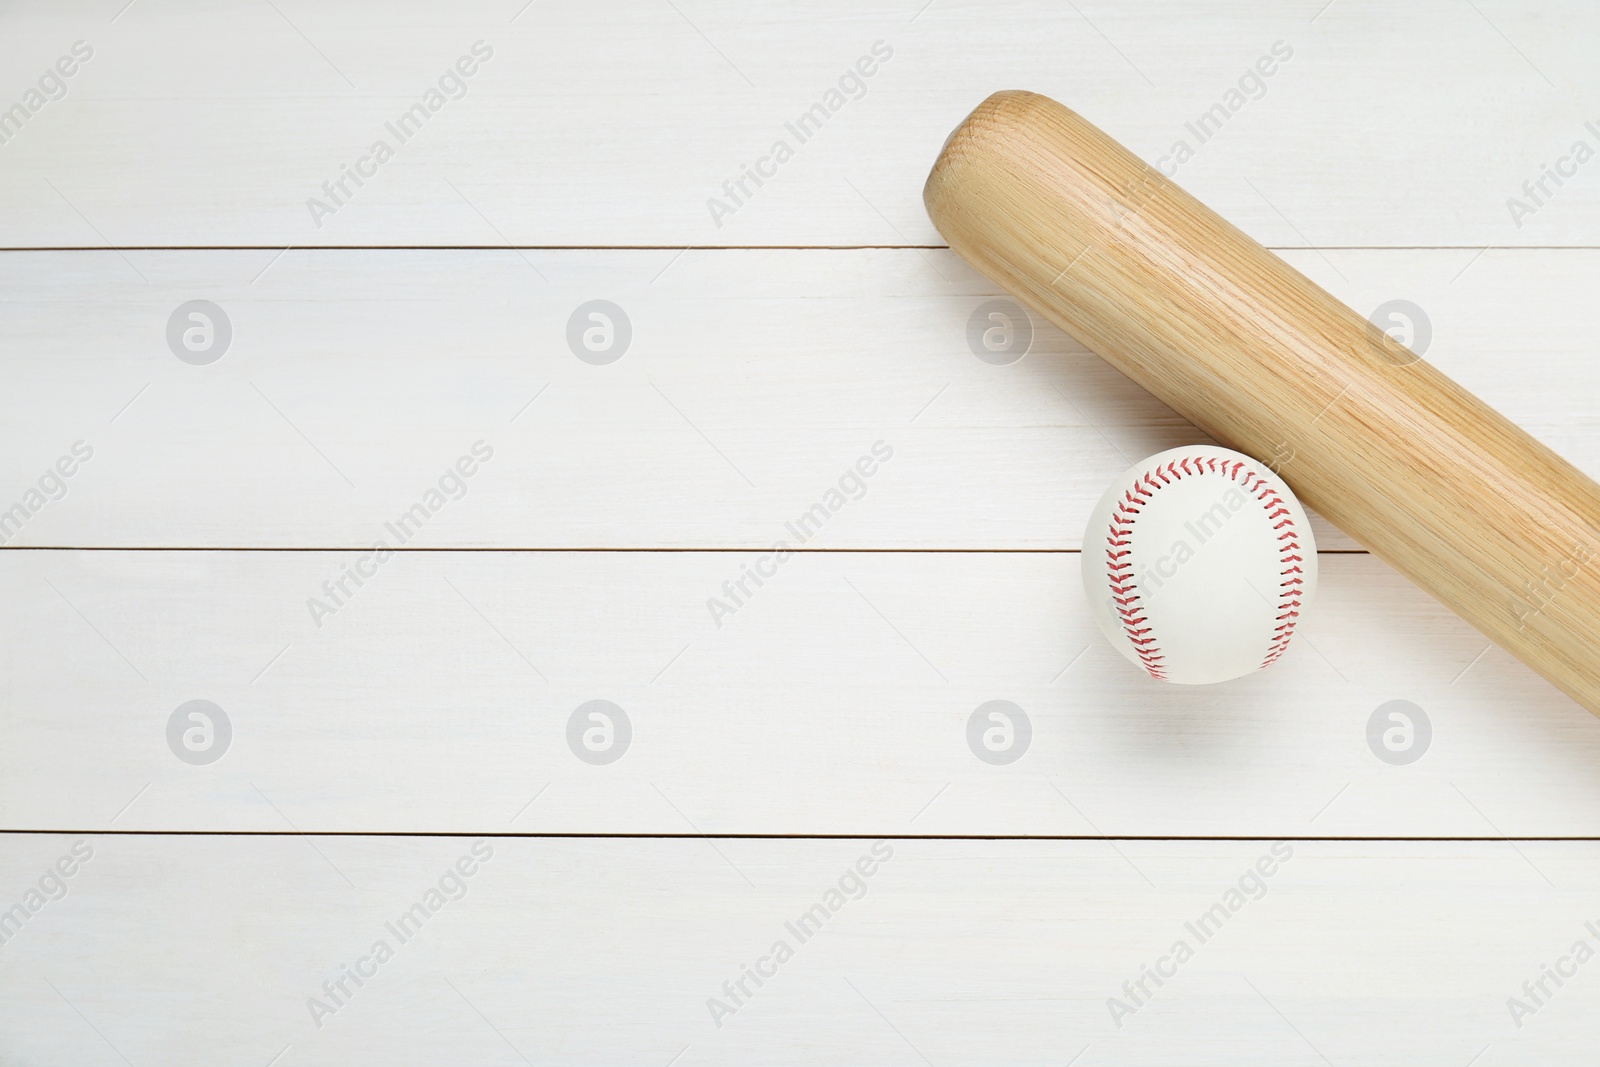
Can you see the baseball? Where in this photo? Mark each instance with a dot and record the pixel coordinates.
(1199, 565)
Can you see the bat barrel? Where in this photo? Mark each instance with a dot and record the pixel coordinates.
(1423, 474)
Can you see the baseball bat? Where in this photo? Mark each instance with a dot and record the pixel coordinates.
(1422, 473)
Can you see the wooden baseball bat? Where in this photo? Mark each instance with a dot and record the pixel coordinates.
(1426, 476)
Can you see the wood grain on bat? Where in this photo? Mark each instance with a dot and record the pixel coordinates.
(1494, 524)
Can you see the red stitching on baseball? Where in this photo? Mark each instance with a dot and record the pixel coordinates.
(1119, 545)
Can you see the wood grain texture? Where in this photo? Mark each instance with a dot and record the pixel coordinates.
(1380, 443)
(180, 162)
(837, 699)
(615, 124)
(605, 952)
(384, 366)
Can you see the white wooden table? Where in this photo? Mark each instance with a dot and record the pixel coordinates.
(391, 362)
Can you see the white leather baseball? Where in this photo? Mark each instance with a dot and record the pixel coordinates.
(1199, 564)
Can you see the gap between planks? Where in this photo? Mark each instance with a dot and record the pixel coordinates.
(724, 248)
(553, 834)
(592, 548)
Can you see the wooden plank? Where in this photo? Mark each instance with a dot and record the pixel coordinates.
(441, 696)
(753, 380)
(618, 124)
(606, 952)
